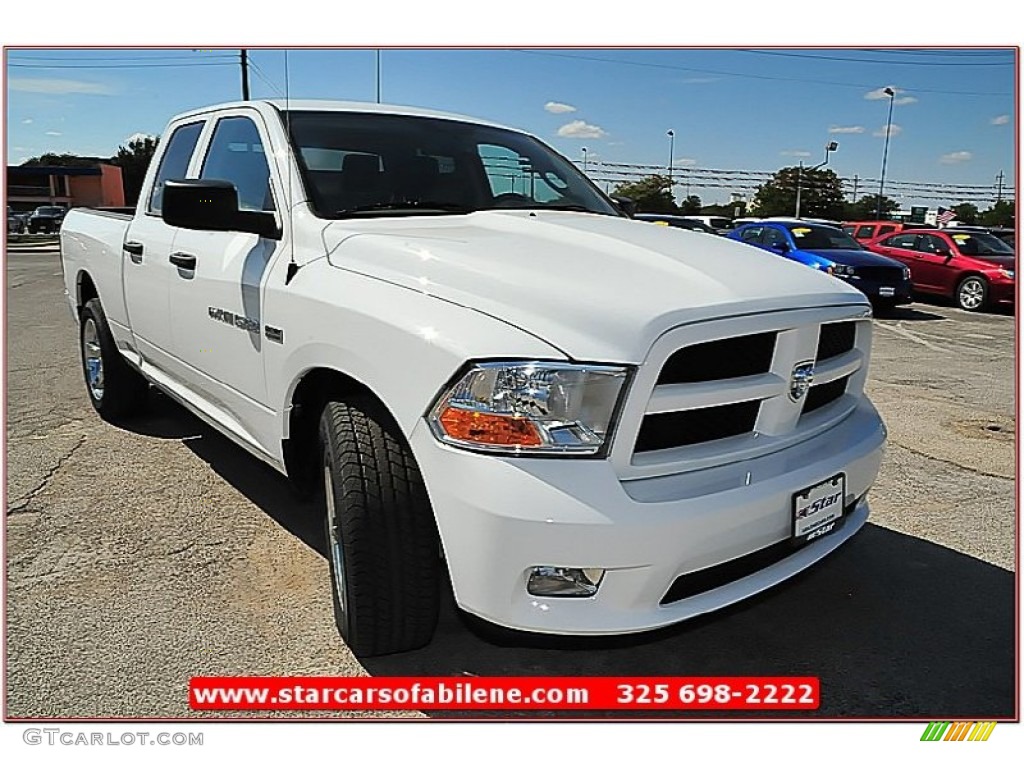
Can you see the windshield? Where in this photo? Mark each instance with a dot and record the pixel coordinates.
(814, 238)
(980, 244)
(49, 211)
(372, 164)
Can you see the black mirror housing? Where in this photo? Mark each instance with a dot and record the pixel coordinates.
(212, 205)
(625, 204)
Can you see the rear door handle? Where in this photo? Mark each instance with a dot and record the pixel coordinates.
(134, 251)
(183, 260)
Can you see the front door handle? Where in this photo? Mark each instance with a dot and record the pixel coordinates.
(183, 260)
(134, 251)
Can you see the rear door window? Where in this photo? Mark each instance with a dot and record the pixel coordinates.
(752, 234)
(175, 160)
(865, 231)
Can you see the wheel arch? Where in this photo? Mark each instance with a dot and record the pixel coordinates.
(306, 399)
(85, 289)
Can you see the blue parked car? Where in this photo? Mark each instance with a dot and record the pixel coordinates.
(885, 281)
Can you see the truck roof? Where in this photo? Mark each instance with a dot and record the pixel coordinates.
(317, 105)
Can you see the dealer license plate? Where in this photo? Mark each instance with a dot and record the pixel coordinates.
(886, 291)
(817, 510)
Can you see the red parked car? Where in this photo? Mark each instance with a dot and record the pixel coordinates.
(975, 269)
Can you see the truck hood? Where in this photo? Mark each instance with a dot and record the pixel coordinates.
(600, 288)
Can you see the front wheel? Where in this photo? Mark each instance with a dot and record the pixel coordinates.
(972, 293)
(382, 541)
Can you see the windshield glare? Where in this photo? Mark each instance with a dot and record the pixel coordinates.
(378, 164)
(822, 238)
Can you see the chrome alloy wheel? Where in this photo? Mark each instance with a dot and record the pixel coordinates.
(334, 535)
(972, 293)
(92, 357)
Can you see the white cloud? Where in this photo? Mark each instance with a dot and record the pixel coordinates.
(683, 162)
(558, 108)
(904, 100)
(138, 137)
(846, 129)
(57, 87)
(27, 121)
(54, 133)
(1000, 120)
(955, 157)
(894, 130)
(795, 153)
(578, 129)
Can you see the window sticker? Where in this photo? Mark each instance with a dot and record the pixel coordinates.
(800, 231)
(961, 238)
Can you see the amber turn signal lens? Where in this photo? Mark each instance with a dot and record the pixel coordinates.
(488, 428)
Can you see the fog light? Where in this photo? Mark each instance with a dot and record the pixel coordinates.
(551, 581)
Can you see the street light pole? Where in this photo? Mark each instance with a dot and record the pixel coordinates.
(832, 146)
(885, 152)
(671, 151)
(584, 150)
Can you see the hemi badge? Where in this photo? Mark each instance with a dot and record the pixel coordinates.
(274, 334)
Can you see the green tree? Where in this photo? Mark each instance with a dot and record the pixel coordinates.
(821, 194)
(966, 213)
(1002, 214)
(133, 161)
(652, 194)
(690, 206)
(65, 160)
(866, 209)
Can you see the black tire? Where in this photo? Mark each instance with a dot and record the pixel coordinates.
(381, 538)
(972, 293)
(119, 390)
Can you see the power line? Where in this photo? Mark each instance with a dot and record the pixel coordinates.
(124, 66)
(73, 59)
(726, 73)
(882, 61)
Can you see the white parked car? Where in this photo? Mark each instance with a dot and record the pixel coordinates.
(590, 425)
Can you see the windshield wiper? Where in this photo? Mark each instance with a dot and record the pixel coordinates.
(414, 206)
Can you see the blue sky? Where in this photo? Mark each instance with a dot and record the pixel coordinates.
(752, 110)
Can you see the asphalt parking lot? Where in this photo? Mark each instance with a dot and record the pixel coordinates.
(141, 555)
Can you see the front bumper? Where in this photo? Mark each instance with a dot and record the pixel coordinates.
(1002, 291)
(888, 291)
(500, 517)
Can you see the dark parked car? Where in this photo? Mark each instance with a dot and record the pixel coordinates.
(884, 281)
(46, 218)
(975, 269)
(15, 224)
(675, 221)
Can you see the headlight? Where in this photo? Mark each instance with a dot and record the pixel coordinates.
(841, 270)
(1007, 273)
(530, 407)
(906, 273)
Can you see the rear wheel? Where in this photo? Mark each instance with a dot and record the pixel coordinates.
(115, 389)
(972, 293)
(382, 541)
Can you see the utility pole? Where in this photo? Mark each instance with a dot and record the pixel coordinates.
(856, 181)
(245, 74)
(999, 188)
(378, 75)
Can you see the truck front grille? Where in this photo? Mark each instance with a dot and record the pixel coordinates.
(720, 359)
(700, 425)
(823, 394)
(835, 339)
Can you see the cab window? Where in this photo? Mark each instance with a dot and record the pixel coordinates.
(174, 163)
(236, 155)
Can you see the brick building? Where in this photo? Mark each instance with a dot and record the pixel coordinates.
(96, 186)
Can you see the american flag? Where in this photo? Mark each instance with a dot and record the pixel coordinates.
(945, 216)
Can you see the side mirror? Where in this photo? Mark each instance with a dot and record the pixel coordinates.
(212, 205)
(625, 204)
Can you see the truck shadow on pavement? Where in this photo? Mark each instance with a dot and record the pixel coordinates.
(894, 626)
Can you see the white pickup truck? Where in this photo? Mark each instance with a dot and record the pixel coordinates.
(485, 369)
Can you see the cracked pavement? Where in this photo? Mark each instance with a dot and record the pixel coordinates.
(142, 554)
